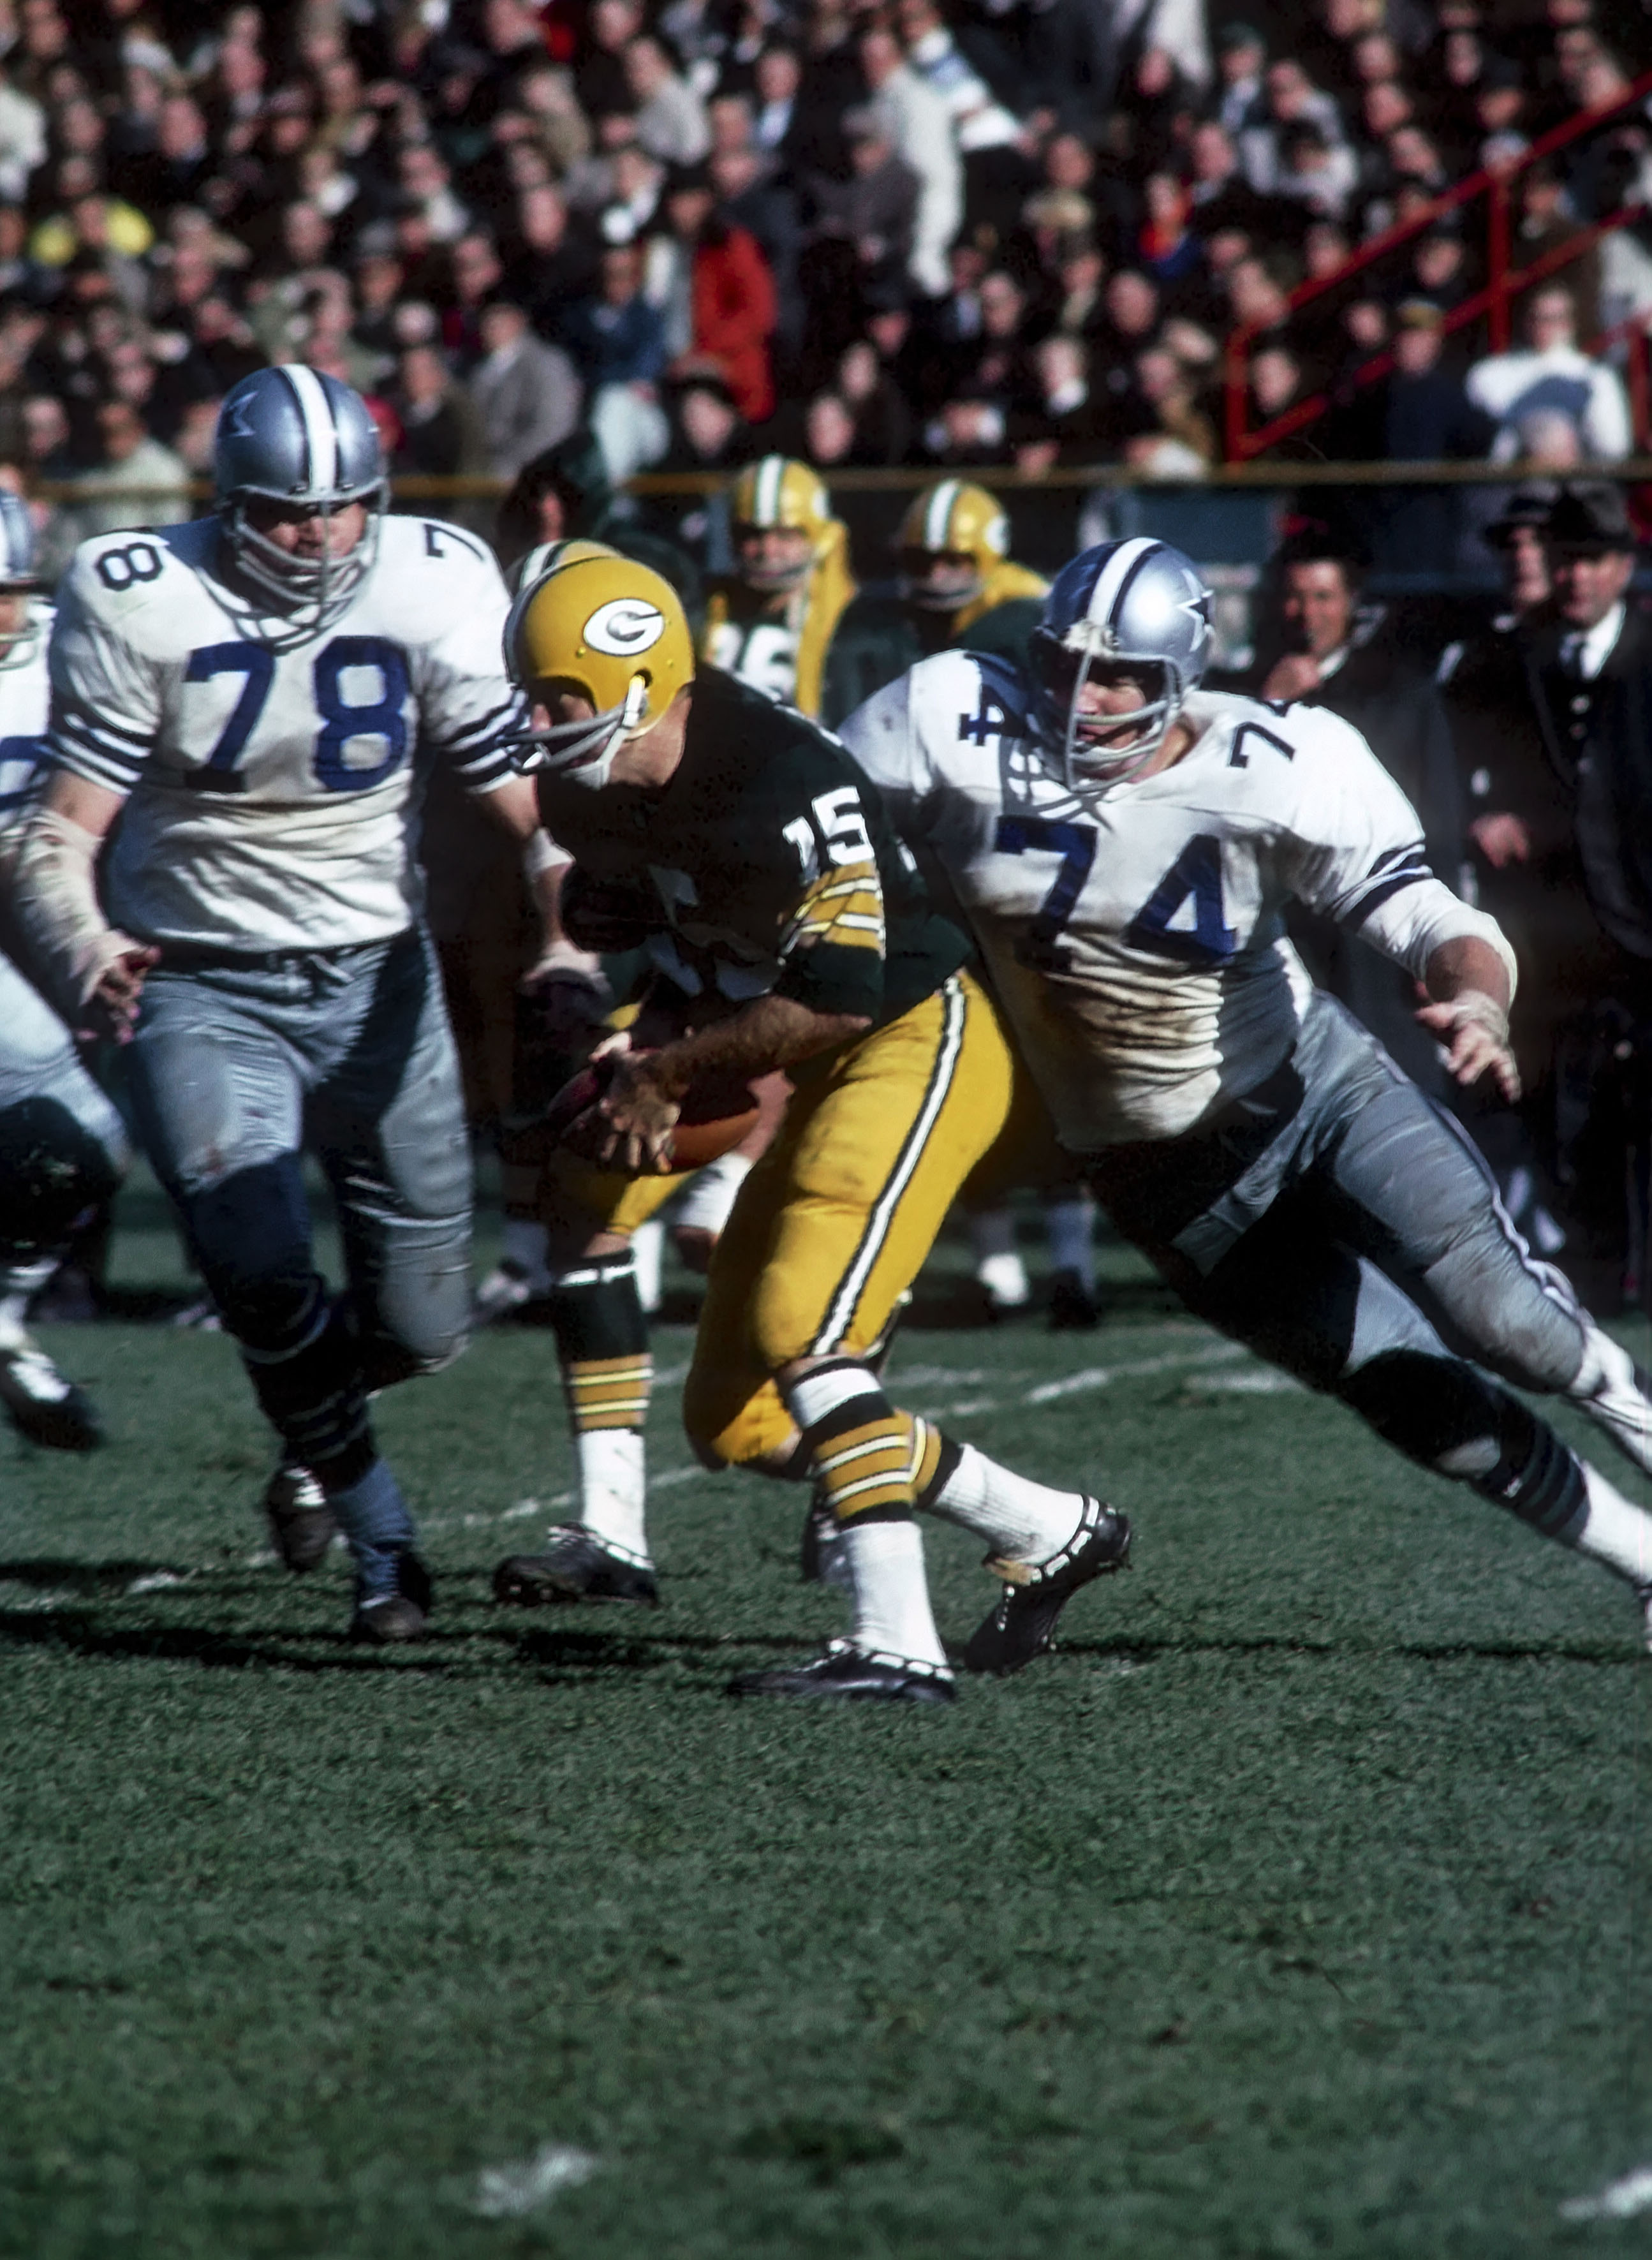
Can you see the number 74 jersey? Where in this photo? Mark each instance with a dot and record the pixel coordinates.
(275, 780)
(1136, 940)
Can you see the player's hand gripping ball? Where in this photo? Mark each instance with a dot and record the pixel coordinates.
(607, 1115)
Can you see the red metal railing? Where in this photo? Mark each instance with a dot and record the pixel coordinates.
(1502, 283)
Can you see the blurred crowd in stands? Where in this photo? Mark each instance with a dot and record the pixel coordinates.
(557, 246)
(864, 232)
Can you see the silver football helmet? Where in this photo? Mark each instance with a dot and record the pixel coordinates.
(1136, 604)
(18, 578)
(299, 438)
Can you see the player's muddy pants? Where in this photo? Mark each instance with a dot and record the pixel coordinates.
(62, 1146)
(1342, 1226)
(237, 1066)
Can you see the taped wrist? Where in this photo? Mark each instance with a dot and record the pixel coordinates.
(71, 945)
(1474, 1004)
(540, 854)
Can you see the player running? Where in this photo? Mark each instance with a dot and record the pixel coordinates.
(62, 1147)
(787, 929)
(1125, 847)
(258, 697)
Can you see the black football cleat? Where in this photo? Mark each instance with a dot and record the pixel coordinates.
(302, 1525)
(847, 1674)
(391, 1619)
(1072, 1308)
(45, 1405)
(820, 1555)
(1023, 1624)
(575, 1566)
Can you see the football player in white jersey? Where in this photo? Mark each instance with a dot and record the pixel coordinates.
(62, 1147)
(258, 697)
(1125, 848)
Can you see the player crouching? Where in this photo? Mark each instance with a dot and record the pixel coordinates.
(735, 840)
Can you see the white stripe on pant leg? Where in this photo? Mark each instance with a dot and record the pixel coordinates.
(946, 1067)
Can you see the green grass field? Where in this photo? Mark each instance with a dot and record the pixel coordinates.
(1298, 1906)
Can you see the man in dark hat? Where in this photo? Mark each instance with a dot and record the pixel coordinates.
(1335, 651)
(1520, 841)
(1590, 672)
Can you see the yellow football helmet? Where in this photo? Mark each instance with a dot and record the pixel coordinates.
(951, 519)
(597, 623)
(779, 494)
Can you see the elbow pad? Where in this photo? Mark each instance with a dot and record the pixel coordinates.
(69, 943)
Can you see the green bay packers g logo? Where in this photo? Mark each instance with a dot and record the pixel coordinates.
(624, 626)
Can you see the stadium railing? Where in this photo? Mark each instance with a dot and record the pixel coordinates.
(1493, 190)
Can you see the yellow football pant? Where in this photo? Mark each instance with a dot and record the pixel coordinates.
(833, 1224)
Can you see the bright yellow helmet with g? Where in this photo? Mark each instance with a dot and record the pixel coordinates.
(777, 495)
(611, 632)
(952, 520)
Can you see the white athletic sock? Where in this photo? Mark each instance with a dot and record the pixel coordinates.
(20, 1285)
(647, 1251)
(892, 1616)
(611, 1486)
(1069, 1225)
(998, 1266)
(1607, 1388)
(523, 1243)
(1618, 1534)
(1021, 1520)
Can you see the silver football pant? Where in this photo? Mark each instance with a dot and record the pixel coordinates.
(238, 1066)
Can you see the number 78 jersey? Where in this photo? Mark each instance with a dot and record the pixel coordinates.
(274, 781)
(1136, 940)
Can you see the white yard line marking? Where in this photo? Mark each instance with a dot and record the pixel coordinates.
(1269, 1383)
(1619, 2200)
(1102, 1376)
(157, 1581)
(505, 2192)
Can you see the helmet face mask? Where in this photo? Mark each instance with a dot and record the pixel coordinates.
(297, 444)
(939, 580)
(1126, 612)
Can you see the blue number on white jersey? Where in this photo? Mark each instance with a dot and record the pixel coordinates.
(1183, 917)
(344, 719)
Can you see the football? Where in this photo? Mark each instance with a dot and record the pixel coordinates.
(718, 1111)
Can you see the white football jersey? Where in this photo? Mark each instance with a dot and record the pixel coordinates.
(1136, 942)
(276, 782)
(24, 697)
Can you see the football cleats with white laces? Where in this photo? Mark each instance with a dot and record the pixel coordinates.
(293, 438)
(612, 632)
(1136, 607)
